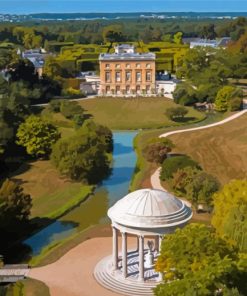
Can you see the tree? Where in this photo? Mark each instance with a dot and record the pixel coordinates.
(176, 113)
(157, 149)
(14, 203)
(208, 32)
(184, 94)
(70, 108)
(52, 68)
(224, 97)
(37, 136)
(85, 156)
(15, 208)
(23, 69)
(230, 212)
(177, 38)
(172, 164)
(196, 261)
(196, 185)
(113, 33)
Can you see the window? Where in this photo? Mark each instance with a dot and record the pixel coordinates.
(128, 66)
(107, 76)
(128, 89)
(138, 89)
(138, 76)
(117, 66)
(148, 66)
(108, 89)
(118, 90)
(128, 76)
(148, 89)
(107, 66)
(118, 76)
(138, 66)
(148, 76)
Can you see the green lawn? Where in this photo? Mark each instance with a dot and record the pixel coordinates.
(134, 113)
(52, 194)
(144, 168)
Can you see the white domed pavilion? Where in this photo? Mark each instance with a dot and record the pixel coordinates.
(149, 215)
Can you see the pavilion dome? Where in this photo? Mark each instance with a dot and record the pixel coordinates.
(150, 208)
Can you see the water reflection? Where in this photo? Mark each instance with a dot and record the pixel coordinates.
(94, 210)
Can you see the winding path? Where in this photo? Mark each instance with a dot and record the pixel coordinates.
(155, 180)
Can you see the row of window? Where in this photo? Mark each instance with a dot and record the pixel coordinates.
(127, 89)
(118, 77)
(128, 66)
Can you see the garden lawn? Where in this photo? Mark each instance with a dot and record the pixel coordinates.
(221, 151)
(135, 113)
(52, 194)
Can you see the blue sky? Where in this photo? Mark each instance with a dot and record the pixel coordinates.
(32, 6)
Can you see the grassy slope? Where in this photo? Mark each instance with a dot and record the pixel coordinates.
(52, 194)
(124, 114)
(220, 150)
(144, 169)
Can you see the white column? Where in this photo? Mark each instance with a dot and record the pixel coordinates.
(141, 258)
(160, 241)
(124, 254)
(137, 244)
(114, 248)
(156, 243)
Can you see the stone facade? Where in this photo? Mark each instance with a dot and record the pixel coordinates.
(127, 73)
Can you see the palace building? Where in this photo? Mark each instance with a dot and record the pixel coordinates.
(127, 72)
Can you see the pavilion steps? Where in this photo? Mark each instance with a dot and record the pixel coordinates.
(117, 284)
(127, 288)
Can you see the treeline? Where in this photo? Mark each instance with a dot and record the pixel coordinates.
(209, 76)
(33, 35)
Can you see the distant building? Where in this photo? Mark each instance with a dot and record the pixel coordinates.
(223, 42)
(166, 84)
(36, 57)
(127, 72)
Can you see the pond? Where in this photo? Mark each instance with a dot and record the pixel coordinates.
(94, 210)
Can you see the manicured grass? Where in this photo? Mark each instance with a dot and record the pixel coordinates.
(52, 194)
(221, 151)
(144, 168)
(134, 113)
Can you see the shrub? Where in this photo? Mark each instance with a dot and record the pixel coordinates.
(236, 104)
(69, 109)
(55, 105)
(175, 113)
(172, 164)
(157, 149)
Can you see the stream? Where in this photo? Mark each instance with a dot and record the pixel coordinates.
(94, 210)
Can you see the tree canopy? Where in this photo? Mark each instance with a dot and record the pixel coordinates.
(172, 164)
(195, 261)
(157, 149)
(85, 156)
(37, 136)
(230, 213)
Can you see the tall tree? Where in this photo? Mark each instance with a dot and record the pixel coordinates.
(230, 213)
(195, 261)
(37, 136)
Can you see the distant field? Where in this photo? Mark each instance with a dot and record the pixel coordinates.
(222, 151)
(146, 113)
(52, 194)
